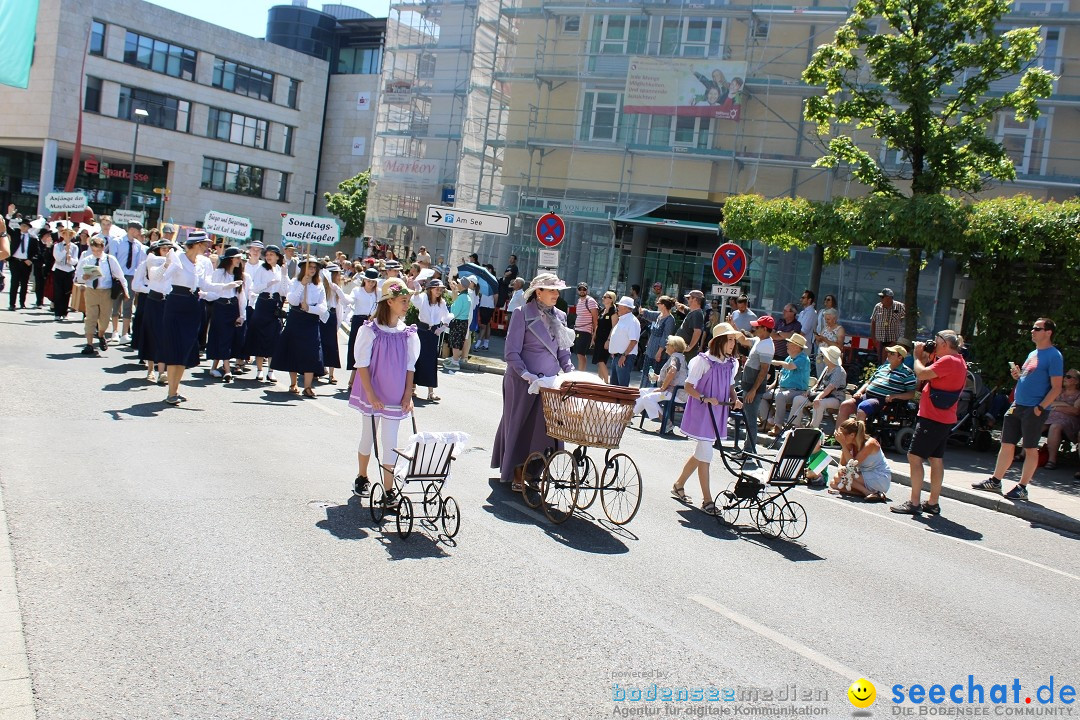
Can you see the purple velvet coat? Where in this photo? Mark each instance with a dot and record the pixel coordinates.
(529, 348)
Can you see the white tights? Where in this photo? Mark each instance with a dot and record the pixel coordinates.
(388, 438)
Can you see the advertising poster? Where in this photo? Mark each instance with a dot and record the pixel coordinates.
(688, 87)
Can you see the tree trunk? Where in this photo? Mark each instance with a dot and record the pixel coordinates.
(911, 293)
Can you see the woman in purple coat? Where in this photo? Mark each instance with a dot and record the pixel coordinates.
(537, 345)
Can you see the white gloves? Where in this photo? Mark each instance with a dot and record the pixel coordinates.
(529, 377)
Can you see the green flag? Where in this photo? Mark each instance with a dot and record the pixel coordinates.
(18, 22)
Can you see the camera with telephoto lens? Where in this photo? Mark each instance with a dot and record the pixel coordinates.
(930, 346)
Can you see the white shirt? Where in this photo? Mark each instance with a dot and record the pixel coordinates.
(761, 353)
(140, 281)
(179, 272)
(366, 339)
(154, 281)
(487, 301)
(268, 281)
(701, 363)
(363, 302)
(222, 277)
(22, 246)
(337, 299)
(432, 314)
(628, 329)
(119, 248)
(65, 258)
(110, 270)
(808, 320)
(313, 294)
(516, 301)
(740, 319)
(249, 274)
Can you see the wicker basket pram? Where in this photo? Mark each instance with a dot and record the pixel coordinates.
(588, 414)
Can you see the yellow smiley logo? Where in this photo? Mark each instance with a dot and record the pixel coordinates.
(862, 693)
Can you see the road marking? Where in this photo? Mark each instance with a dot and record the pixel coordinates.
(780, 639)
(325, 409)
(977, 546)
(526, 511)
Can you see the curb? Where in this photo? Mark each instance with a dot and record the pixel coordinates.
(16, 689)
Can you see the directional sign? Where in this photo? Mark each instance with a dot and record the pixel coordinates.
(65, 202)
(457, 219)
(550, 230)
(123, 217)
(230, 226)
(729, 263)
(310, 229)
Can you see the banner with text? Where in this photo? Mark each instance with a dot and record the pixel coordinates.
(230, 226)
(408, 171)
(687, 87)
(310, 229)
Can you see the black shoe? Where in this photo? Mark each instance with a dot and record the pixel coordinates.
(361, 485)
(102, 343)
(929, 509)
(89, 350)
(908, 508)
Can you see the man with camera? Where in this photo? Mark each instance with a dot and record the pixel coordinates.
(1038, 384)
(942, 371)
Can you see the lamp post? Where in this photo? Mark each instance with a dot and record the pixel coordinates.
(140, 114)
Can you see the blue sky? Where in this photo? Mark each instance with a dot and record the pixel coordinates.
(249, 16)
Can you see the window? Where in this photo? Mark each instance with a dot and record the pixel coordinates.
(232, 177)
(761, 29)
(1026, 143)
(286, 145)
(600, 116)
(359, 61)
(425, 66)
(236, 128)
(691, 36)
(157, 55)
(243, 80)
(294, 93)
(571, 24)
(97, 38)
(619, 35)
(283, 187)
(165, 111)
(92, 96)
(669, 131)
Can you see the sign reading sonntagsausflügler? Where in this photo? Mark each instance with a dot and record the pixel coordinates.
(230, 226)
(310, 229)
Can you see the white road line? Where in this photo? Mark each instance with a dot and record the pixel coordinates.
(780, 639)
(526, 511)
(328, 411)
(909, 526)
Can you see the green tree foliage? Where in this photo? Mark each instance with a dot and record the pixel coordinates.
(920, 84)
(350, 205)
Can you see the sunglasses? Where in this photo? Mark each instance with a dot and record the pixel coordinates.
(1038, 329)
(1073, 377)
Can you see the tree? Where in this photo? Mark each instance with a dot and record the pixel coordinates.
(350, 205)
(920, 84)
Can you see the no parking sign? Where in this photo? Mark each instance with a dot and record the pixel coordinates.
(729, 263)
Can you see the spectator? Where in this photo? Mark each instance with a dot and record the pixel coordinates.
(623, 342)
(517, 297)
(692, 329)
(742, 316)
(604, 323)
(872, 478)
(1064, 420)
(754, 374)
(473, 258)
(808, 314)
(512, 268)
(661, 325)
(939, 365)
(486, 311)
(1038, 384)
(505, 290)
(461, 309)
(829, 303)
(672, 376)
(831, 333)
(792, 381)
(789, 325)
(423, 258)
(290, 263)
(829, 390)
(586, 314)
(442, 268)
(710, 387)
(886, 322)
(893, 381)
(98, 270)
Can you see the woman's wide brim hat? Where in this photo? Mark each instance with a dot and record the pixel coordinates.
(393, 288)
(544, 281)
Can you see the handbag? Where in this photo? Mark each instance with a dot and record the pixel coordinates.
(117, 290)
(944, 399)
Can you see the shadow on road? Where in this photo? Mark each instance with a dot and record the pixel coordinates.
(65, 356)
(709, 525)
(352, 521)
(149, 409)
(949, 528)
(345, 521)
(131, 383)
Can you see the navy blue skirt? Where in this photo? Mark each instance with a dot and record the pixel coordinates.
(225, 340)
(264, 328)
(299, 347)
(137, 319)
(180, 325)
(427, 365)
(354, 330)
(331, 351)
(152, 310)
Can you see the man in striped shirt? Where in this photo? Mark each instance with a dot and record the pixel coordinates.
(893, 381)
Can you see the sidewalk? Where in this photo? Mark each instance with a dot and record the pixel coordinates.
(1055, 497)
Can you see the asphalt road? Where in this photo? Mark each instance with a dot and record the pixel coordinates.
(208, 561)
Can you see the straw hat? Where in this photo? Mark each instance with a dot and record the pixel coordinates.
(544, 281)
(724, 329)
(832, 354)
(798, 340)
(393, 288)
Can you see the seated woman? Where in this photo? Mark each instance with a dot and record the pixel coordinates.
(1064, 419)
(831, 333)
(863, 470)
(672, 377)
(829, 391)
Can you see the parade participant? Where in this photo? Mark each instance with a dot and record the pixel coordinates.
(290, 263)
(228, 313)
(337, 305)
(365, 297)
(182, 316)
(432, 321)
(710, 385)
(43, 263)
(299, 347)
(65, 258)
(24, 248)
(129, 252)
(268, 284)
(386, 354)
(98, 271)
(151, 310)
(871, 477)
(537, 345)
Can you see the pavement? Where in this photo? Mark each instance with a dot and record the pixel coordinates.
(1054, 495)
(209, 562)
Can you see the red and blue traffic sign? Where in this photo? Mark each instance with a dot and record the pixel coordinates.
(550, 230)
(729, 263)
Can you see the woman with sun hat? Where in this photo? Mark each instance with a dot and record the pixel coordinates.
(299, 347)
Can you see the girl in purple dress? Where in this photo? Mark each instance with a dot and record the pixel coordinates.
(709, 383)
(385, 356)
